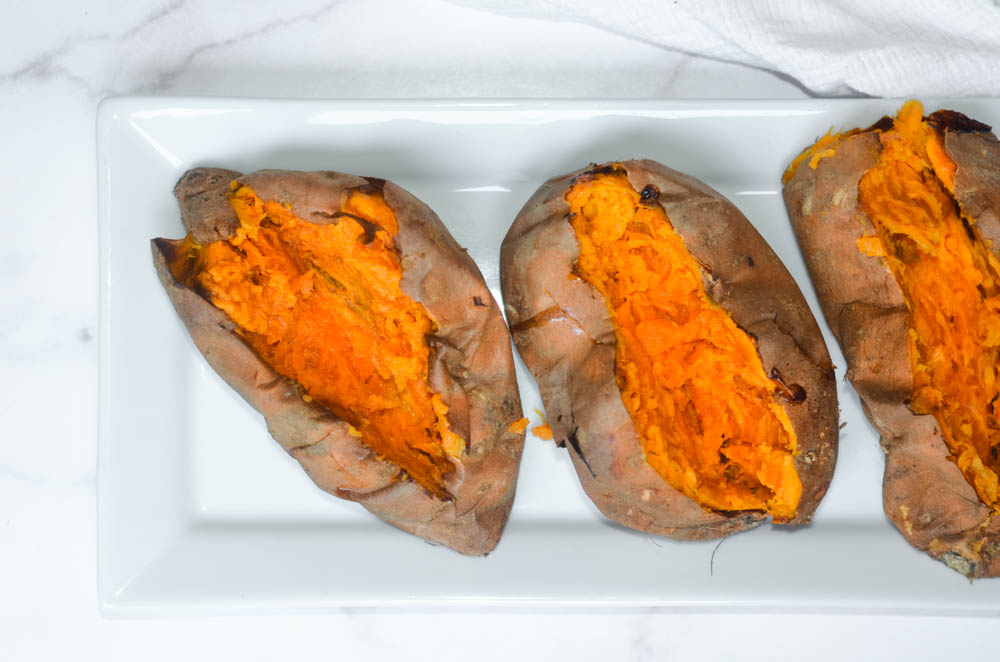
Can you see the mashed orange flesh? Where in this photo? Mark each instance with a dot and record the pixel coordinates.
(322, 304)
(951, 284)
(691, 379)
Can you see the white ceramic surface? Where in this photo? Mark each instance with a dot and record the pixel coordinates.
(200, 510)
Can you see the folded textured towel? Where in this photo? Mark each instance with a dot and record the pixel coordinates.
(884, 48)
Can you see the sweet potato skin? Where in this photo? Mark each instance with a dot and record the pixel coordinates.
(924, 493)
(563, 331)
(471, 362)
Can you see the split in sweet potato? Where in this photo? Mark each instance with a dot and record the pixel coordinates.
(691, 379)
(322, 304)
(950, 282)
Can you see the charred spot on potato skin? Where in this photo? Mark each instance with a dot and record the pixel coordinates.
(952, 120)
(333, 217)
(883, 124)
(794, 393)
(369, 228)
(509, 407)
(184, 259)
(605, 169)
(650, 195)
(574, 443)
(171, 248)
(478, 302)
(798, 393)
(969, 232)
(374, 185)
(750, 262)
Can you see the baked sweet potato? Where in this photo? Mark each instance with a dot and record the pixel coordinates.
(675, 355)
(899, 227)
(343, 311)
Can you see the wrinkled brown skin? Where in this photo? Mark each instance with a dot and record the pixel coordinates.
(564, 333)
(924, 493)
(471, 362)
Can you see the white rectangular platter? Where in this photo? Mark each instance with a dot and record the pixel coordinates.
(199, 510)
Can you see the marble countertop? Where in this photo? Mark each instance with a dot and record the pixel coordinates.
(58, 60)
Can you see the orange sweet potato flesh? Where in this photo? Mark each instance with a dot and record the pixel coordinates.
(950, 282)
(569, 338)
(691, 379)
(322, 305)
(899, 225)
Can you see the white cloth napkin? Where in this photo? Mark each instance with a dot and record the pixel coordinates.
(831, 47)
